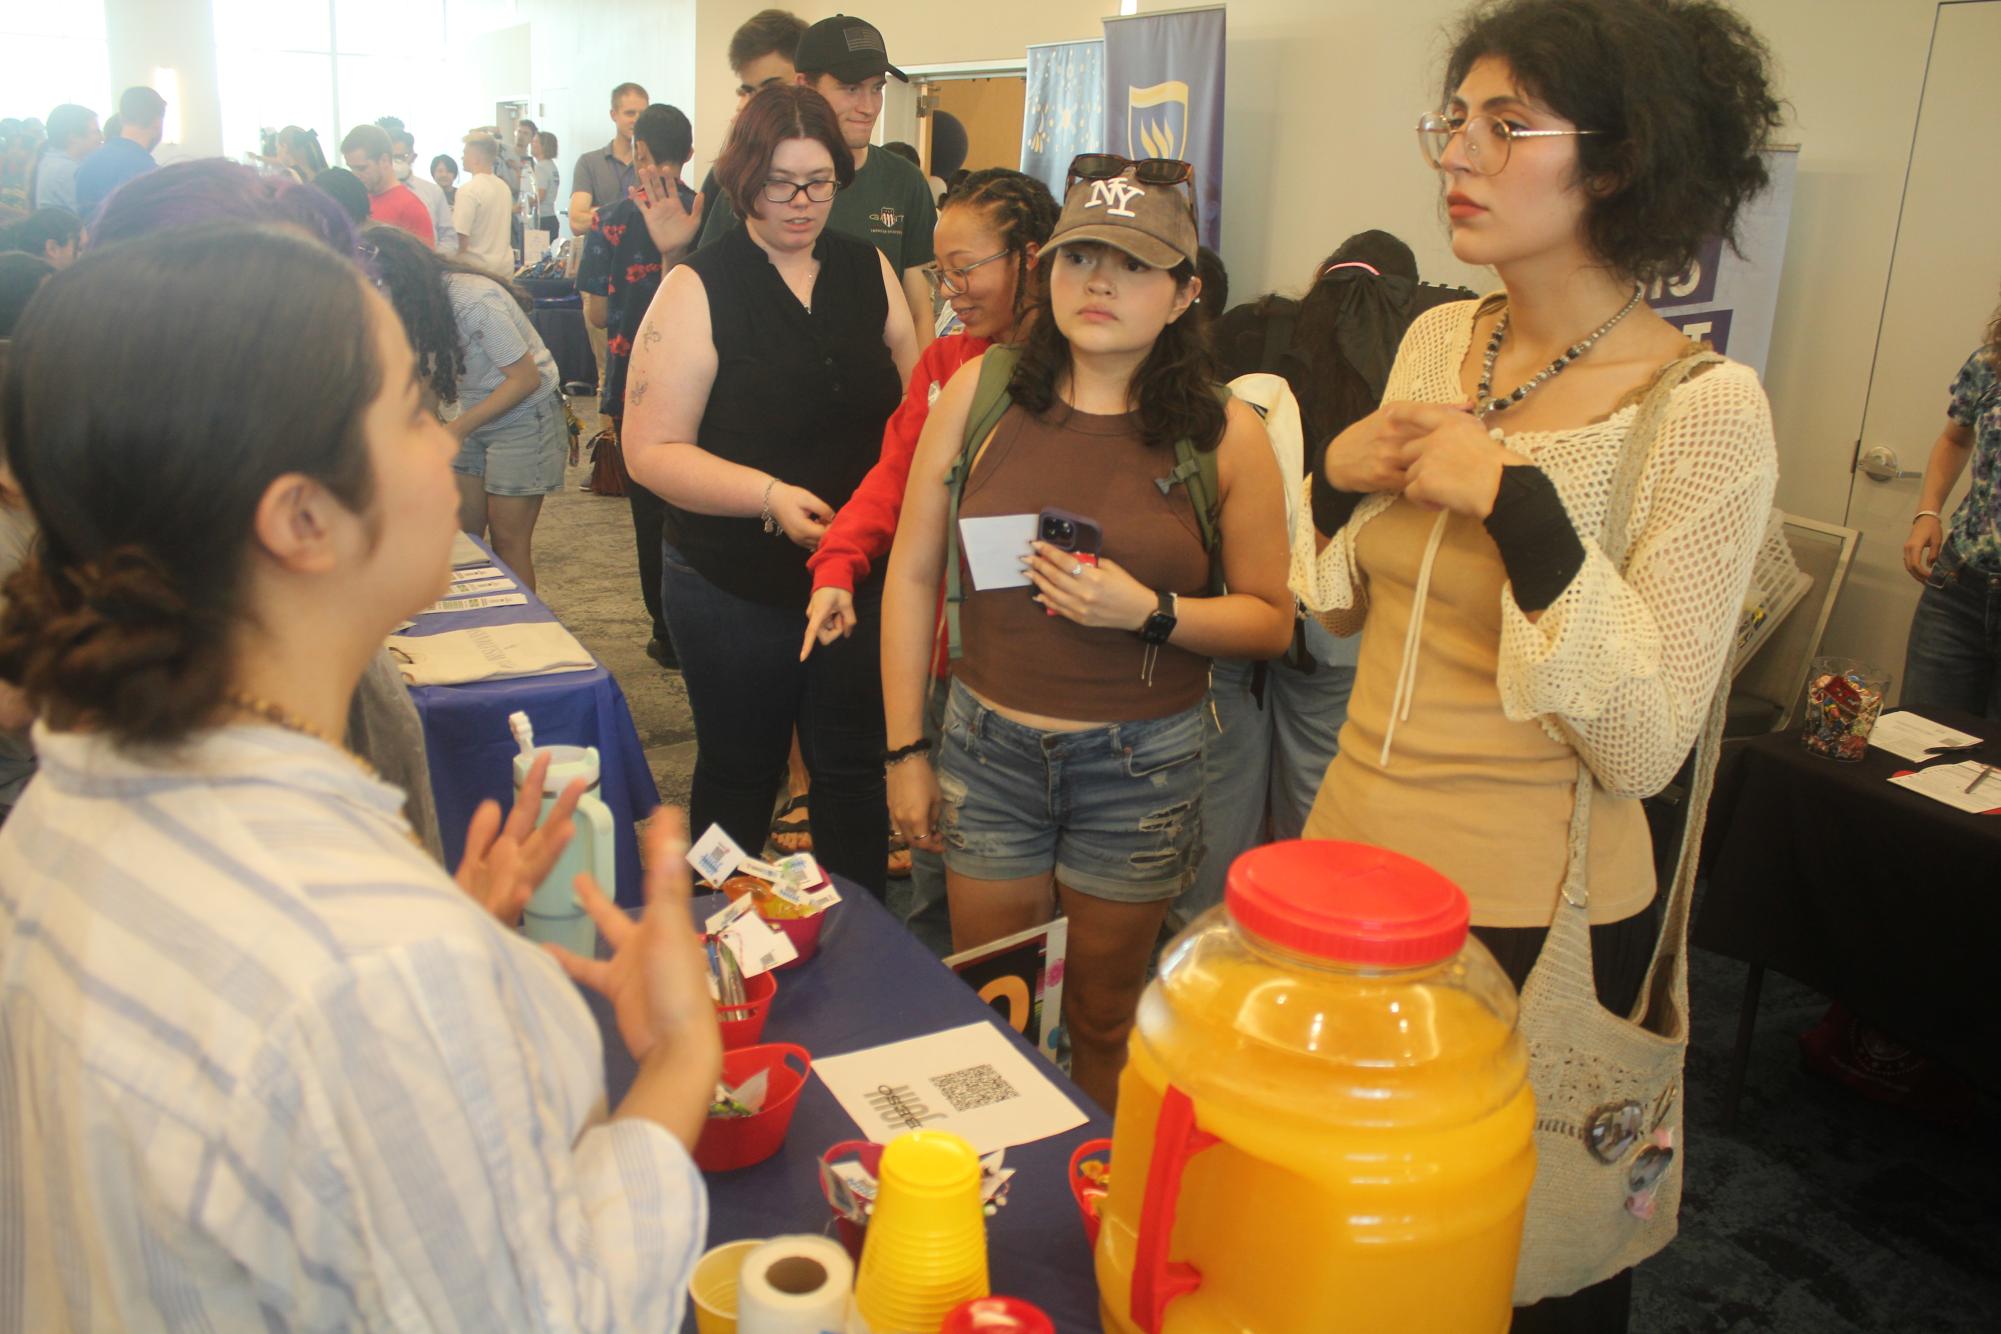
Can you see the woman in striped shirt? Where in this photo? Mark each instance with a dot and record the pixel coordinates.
(261, 1061)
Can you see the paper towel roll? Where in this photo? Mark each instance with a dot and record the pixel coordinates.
(795, 1285)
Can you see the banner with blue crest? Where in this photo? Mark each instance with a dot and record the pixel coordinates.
(1064, 114)
(1164, 97)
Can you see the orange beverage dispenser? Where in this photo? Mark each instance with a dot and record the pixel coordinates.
(1325, 1123)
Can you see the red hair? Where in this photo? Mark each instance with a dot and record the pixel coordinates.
(780, 112)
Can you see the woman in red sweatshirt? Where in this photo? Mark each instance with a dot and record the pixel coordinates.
(990, 229)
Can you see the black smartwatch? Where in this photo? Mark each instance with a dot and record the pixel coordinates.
(1157, 627)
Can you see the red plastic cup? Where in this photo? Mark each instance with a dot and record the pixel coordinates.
(869, 1155)
(742, 1025)
(732, 1142)
(996, 1315)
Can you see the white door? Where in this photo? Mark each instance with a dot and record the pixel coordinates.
(1944, 279)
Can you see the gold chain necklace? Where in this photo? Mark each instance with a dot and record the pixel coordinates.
(279, 716)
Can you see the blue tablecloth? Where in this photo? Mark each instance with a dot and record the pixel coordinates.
(872, 983)
(559, 317)
(472, 753)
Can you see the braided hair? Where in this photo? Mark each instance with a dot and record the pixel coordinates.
(1021, 209)
(413, 278)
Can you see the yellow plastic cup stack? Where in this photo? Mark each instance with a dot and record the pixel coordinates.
(926, 1250)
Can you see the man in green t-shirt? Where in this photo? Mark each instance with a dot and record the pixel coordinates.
(889, 204)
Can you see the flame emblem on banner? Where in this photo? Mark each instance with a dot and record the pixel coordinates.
(1157, 120)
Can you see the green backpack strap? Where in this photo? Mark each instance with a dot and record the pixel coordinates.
(991, 401)
(1196, 469)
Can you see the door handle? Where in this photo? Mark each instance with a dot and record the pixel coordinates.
(1880, 465)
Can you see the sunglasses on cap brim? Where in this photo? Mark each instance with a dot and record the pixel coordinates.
(1147, 171)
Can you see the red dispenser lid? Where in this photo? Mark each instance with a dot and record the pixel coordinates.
(996, 1315)
(1347, 902)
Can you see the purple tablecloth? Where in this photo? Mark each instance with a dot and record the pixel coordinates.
(872, 983)
(472, 753)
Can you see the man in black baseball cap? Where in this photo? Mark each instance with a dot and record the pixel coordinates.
(889, 204)
(851, 50)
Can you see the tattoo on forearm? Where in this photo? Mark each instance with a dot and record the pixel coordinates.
(649, 335)
(636, 391)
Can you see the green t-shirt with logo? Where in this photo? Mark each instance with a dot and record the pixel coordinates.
(889, 205)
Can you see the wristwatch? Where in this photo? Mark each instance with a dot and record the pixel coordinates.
(1157, 627)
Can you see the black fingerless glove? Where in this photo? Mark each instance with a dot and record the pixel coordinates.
(1331, 508)
(1538, 546)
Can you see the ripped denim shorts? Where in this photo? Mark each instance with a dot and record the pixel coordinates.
(1115, 811)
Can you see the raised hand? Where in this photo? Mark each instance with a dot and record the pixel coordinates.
(658, 198)
(504, 865)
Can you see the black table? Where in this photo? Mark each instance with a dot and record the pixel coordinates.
(871, 983)
(1884, 899)
(559, 317)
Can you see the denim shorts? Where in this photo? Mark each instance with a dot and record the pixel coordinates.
(1115, 812)
(522, 457)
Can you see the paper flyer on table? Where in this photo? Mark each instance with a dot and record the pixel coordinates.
(971, 1081)
(994, 547)
(1912, 735)
(477, 603)
(1948, 783)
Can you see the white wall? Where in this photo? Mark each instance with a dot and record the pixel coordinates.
(147, 37)
(577, 52)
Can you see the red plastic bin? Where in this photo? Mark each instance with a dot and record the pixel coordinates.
(742, 1025)
(732, 1142)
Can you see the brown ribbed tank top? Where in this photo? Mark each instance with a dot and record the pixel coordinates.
(1019, 657)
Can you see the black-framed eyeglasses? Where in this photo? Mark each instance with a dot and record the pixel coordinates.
(1489, 139)
(954, 279)
(784, 192)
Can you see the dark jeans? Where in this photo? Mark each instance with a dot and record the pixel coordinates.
(748, 689)
(649, 515)
(1620, 953)
(1954, 657)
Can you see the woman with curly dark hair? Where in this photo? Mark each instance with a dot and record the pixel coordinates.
(476, 349)
(1540, 652)
(1070, 761)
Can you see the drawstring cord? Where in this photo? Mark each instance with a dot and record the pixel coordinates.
(1407, 669)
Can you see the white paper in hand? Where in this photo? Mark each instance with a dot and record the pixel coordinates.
(994, 548)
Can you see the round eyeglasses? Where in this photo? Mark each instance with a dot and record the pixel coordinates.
(784, 192)
(954, 280)
(1489, 139)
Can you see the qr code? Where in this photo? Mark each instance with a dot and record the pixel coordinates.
(975, 1087)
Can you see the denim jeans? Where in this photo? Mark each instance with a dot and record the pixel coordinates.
(1265, 766)
(1115, 812)
(1954, 657)
(747, 689)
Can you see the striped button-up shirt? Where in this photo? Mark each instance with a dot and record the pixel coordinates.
(263, 1065)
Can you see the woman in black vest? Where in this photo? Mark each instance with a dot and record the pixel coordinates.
(758, 391)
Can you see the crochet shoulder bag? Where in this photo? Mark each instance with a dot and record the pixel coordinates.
(1608, 1088)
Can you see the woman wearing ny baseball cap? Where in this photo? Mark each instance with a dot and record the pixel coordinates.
(1068, 775)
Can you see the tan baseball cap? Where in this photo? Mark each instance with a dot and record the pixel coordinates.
(1152, 223)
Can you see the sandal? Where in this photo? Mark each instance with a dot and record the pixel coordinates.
(899, 857)
(791, 829)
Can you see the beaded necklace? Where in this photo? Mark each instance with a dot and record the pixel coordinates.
(279, 716)
(1484, 402)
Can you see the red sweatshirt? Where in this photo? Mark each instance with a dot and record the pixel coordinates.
(863, 530)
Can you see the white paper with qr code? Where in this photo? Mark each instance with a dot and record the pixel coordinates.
(972, 1081)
